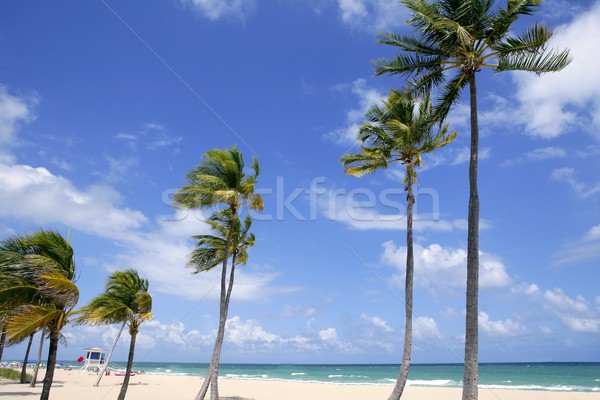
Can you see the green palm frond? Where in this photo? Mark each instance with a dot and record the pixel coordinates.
(400, 131)
(28, 320)
(532, 40)
(466, 36)
(550, 61)
(125, 299)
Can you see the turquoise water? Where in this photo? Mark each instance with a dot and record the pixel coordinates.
(562, 377)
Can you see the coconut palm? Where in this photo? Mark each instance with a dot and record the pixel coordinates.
(220, 180)
(41, 289)
(454, 40)
(125, 300)
(26, 359)
(399, 131)
(2, 340)
(210, 249)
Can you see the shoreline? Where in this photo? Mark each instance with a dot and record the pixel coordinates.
(70, 385)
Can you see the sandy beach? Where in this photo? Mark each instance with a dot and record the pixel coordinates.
(70, 385)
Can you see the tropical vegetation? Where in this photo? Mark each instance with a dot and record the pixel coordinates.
(11, 374)
(38, 273)
(400, 131)
(453, 41)
(125, 300)
(221, 180)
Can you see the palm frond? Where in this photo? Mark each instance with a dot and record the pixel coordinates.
(550, 61)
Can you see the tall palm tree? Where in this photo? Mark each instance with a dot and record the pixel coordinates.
(2, 339)
(220, 180)
(42, 290)
(454, 40)
(399, 131)
(26, 359)
(125, 299)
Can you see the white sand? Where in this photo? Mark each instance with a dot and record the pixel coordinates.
(69, 385)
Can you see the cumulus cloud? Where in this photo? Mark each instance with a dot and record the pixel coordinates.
(377, 322)
(14, 112)
(249, 333)
(529, 289)
(554, 103)
(330, 339)
(218, 9)
(425, 328)
(441, 268)
(367, 97)
(37, 195)
(372, 15)
(162, 254)
(158, 251)
(574, 313)
(504, 328)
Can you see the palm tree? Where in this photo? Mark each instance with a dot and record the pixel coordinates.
(2, 339)
(399, 131)
(454, 40)
(220, 180)
(26, 359)
(41, 289)
(125, 300)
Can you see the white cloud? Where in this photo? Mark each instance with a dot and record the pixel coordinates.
(217, 9)
(372, 15)
(292, 311)
(426, 328)
(363, 209)
(14, 111)
(567, 175)
(377, 322)
(35, 194)
(162, 254)
(152, 135)
(439, 268)
(575, 314)
(329, 334)
(581, 250)
(531, 289)
(367, 97)
(558, 300)
(540, 154)
(499, 328)
(248, 333)
(556, 102)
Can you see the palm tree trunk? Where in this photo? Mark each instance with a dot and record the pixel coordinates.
(213, 369)
(471, 373)
(39, 358)
(103, 371)
(24, 367)
(52, 352)
(408, 291)
(125, 384)
(2, 340)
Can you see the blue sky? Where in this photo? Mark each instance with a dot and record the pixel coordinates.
(105, 105)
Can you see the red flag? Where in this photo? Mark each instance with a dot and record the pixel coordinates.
(80, 359)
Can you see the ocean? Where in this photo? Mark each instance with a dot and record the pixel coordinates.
(563, 377)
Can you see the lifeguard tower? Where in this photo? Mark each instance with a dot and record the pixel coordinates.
(94, 359)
